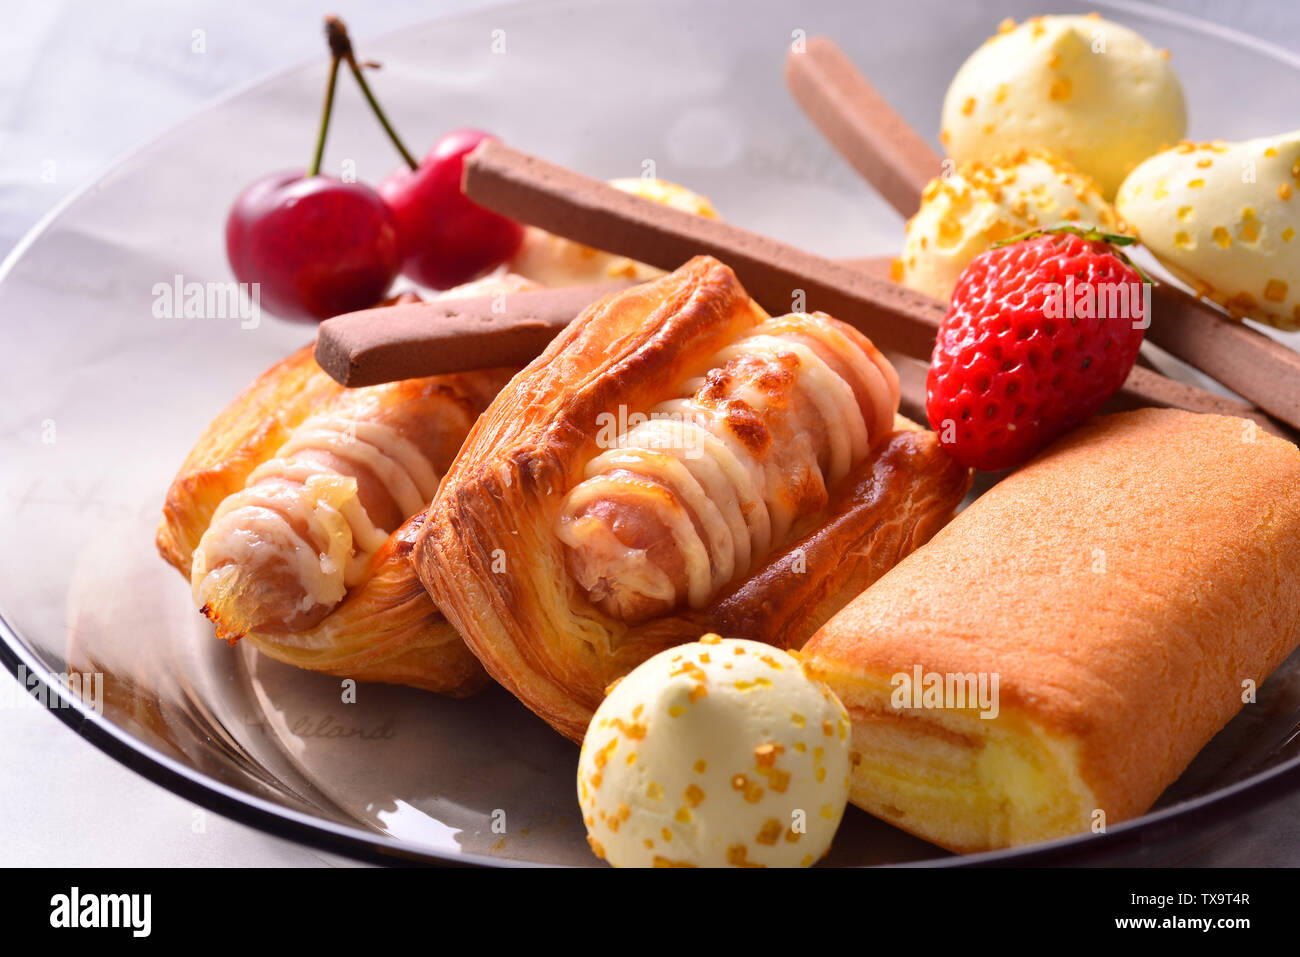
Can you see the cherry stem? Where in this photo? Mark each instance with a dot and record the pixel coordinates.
(325, 118)
(341, 47)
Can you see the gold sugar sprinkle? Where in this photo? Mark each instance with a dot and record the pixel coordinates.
(769, 833)
(635, 731)
(738, 856)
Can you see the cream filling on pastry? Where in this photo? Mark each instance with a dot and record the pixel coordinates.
(716, 555)
(303, 518)
(871, 369)
(257, 528)
(632, 562)
(741, 490)
(399, 465)
(729, 504)
(845, 427)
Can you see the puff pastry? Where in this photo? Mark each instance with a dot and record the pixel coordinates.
(296, 511)
(1127, 589)
(676, 462)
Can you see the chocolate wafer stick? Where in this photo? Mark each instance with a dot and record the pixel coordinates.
(861, 125)
(583, 209)
(594, 213)
(577, 207)
(876, 141)
(412, 340)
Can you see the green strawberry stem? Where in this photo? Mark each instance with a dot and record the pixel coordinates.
(1090, 233)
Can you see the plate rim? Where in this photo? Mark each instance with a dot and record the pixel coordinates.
(373, 847)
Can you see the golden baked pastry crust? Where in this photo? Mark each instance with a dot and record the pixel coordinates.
(387, 627)
(490, 555)
(1122, 587)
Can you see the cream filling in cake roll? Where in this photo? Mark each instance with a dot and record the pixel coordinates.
(1055, 657)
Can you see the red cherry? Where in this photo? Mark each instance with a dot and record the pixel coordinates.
(318, 246)
(446, 239)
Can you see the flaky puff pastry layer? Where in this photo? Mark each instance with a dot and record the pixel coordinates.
(490, 554)
(1127, 589)
(386, 628)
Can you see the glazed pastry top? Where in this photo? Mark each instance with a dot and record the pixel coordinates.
(576, 535)
(281, 552)
(687, 496)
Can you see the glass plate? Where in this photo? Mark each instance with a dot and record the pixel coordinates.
(103, 400)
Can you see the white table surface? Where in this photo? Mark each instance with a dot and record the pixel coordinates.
(84, 83)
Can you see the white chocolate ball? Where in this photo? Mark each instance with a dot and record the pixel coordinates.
(1093, 92)
(964, 213)
(722, 752)
(1225, 217)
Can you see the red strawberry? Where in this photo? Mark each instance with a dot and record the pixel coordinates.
(1041, 331)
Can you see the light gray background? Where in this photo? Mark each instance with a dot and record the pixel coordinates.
(81, 84)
